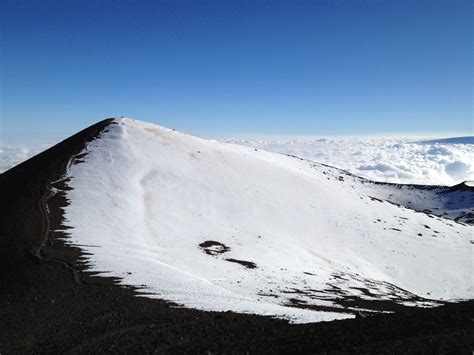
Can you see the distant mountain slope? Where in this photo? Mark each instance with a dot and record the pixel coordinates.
(219, 227)
(455, 202)
(453, 140)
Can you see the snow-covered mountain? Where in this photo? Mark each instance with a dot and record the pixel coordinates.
(217, 226)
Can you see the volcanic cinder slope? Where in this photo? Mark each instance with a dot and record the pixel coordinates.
(219, 227)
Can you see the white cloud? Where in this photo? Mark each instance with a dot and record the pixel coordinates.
(12, 154)
(400, 160)
(458, 169)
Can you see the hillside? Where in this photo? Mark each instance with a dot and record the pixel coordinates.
(220, 227)
(51, 301)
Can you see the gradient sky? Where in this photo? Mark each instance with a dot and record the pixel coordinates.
(223, 67)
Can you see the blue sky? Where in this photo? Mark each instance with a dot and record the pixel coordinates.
(223, 67)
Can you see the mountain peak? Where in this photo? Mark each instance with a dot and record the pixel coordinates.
(217, 226)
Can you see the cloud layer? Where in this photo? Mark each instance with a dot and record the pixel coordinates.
(12, 154)
(400, 160)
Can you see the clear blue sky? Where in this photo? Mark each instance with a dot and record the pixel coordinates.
(219, 67)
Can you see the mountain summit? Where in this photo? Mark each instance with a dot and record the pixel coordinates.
(216, 226)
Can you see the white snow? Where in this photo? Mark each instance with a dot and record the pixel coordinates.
(146, 197)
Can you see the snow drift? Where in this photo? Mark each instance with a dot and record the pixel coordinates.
(216, 226)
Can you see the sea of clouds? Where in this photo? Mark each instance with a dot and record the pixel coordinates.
(392, 159)
(400, 160)
(13, 153)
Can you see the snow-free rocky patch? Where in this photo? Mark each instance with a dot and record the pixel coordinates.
(219, 227)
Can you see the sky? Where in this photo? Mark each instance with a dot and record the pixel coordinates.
(224, 67)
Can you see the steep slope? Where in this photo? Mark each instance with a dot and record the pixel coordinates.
(222, 227)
